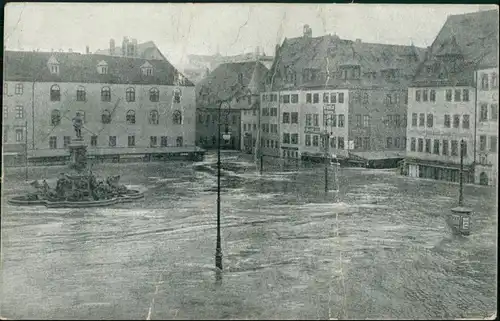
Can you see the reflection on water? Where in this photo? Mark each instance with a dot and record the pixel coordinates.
(282, 241)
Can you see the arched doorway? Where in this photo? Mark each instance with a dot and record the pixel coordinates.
(483, 179)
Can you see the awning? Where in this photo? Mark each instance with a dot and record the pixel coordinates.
(378, 155)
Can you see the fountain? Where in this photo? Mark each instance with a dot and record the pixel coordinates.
(79, 187)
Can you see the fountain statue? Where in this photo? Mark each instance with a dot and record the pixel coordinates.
(79, 187)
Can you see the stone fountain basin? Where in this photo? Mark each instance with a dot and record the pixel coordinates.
(23, 200)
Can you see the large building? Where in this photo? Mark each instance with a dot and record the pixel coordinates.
(446, 100)
(130, 48)
(354, 91)
(130, 106)
(238, 84)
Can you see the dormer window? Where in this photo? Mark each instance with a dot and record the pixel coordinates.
(53, 65)
(147, 69)
(102, 68)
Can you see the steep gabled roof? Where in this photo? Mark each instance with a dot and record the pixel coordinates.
(465, 43)
(76, 67)
(142, 50)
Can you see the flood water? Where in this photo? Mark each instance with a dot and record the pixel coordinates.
(382, 250)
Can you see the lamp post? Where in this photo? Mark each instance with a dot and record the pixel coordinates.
(226, 136)
(328, 110)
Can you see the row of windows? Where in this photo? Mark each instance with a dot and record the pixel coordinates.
(81, 95)
(483, 143)
(207, 118)
(421, 120)
(438, 148)
(335, 142)
(204, 140)
(247, 112)
(269, 143)
(112, 141)
(310, 98)
(249, 127)
(106, 117)
(483, 115)
(19, 112)
(270, 128)
(273, 112)
(291, 118)
(430, 95)
(395, 121)
(290, 153)
(290, 138)
(486, 84)
(362, 122)
(312, 120)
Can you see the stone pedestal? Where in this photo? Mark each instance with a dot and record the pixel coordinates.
(78, 154)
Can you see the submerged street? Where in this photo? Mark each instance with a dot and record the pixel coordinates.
(382, 251)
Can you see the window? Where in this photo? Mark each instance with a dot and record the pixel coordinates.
(494, 112)
(420, 145)
(112, 141)
(482, 143)
(358, 120)
(5, 133)
(130, 94)
(295, 117)
(340, 142)
(66, 141)
(130, 117)
(105, 94)
(106, 117)
(458, 93)
(273, 112)
(315, 98)
(308, 120)
(436, 146)
(341, 120)
(414, 119)
(448, 94)
(447, 121)
(326, 98)
(456, 121)
(421, 122)
(388, 143)
(417, 95)
(445, 147)
(274, 128)
(333, 98)
(177, 95)
(315, 140)
(164, 141)
(153, 141)
(365, 98)
(19, 135)
(5, 113)
(154, 117)
(430, 120)
(179, 141)
(428, 146)
(466, 122)
(413, 144)
(397, 142)
(286, 99)
(308, 140)
(55, 117)
(286, 138)
(464, 149)
(465, 95)
(433, 95)
(316, 120)
(425, 95)
(333, 121)
(93, 141)
(177, 117)
(53, 142)
(131, 141)
(484, 112)
(388, 99)
(286, 118)
(341, 98)
(484, 82)
(19, 89)
(55, 93)
(366, 143)
(397, 120)
(493, 144)
(234, 119)
(80, 94)
(295, 98)
(294, 139)
(333, 142)
(454, 148)
(19, 112)
(308, 98)
(366, 121)
(255, 127)
(154, 95)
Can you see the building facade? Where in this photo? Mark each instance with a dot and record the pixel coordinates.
(486, 170)
(349, 94)
(127, 104)
(450, 101)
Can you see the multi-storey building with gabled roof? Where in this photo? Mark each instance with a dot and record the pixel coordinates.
(130, 106)
(352, 90)
(452, 99)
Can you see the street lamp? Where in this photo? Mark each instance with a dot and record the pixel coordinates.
(226, 136)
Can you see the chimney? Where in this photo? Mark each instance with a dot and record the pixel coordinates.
(87, 50)
(358, 41)
(112, 47)
(307, 31)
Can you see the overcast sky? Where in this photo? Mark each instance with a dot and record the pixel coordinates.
(180, 29)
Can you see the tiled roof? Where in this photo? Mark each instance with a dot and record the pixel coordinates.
(76, 67)
(222, 83)
(330, 52)
(466, 42)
